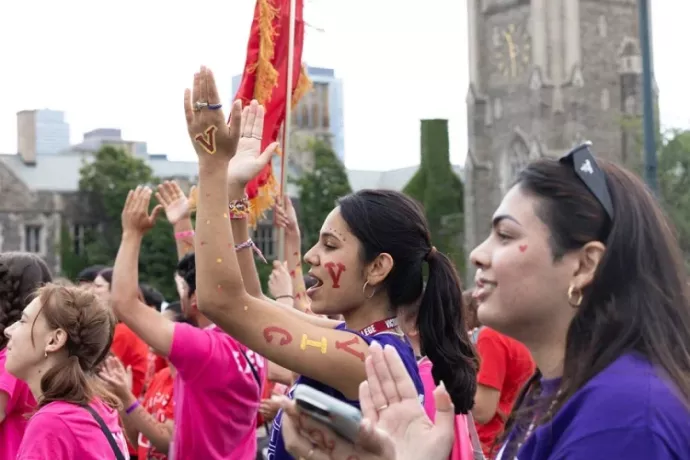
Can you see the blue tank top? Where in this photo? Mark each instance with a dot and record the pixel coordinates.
(276, 447)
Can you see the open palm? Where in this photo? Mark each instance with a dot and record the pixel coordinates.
(249, 161)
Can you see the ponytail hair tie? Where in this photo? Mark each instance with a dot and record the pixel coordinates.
(430, 255)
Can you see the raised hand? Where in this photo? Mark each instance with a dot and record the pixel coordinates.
(248, 161)
(389, 399)
(135, 214)
(174, 201)
(286, 217)
(119, 379)
(214, 141)
(279, 281)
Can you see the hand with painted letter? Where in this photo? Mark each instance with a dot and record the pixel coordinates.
(215, 142)
(135, 215)
(174, 201)
(249, 161)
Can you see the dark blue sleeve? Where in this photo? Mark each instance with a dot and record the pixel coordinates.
(624, 443)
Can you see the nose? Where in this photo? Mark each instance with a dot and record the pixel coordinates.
(8, 330)
(479, 257)
(310, 256)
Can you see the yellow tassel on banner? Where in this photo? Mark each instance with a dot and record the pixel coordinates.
(266, 74)
(303, 87)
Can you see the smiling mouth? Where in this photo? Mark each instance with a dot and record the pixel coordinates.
(483, 289)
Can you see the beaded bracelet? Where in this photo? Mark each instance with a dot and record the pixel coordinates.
(239, 209)
(250, 244)
(185, 234)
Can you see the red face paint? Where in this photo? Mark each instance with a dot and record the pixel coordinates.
(335, 271)
(272, 331)
(292, 273)
(345, 346)
(523, 247)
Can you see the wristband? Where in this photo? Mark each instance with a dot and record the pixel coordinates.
(131, 408)
(286, 296)
(239, 209)
(186, 234)
(250, 244)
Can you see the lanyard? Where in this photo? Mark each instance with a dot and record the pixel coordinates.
(383, 325)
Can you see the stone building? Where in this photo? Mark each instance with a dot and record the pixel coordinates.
(38, 193)
(544, 76)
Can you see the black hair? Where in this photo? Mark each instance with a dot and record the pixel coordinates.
(186, 268)
(637, 302)
(389, 222)
(152, 297)
(21, 273)
(89, 274)
(107, 274)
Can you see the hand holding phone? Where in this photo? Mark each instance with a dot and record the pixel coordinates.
(339, 416)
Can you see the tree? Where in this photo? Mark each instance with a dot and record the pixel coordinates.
(674, 184)
(104, 184)
(440, 191)
(319, 191)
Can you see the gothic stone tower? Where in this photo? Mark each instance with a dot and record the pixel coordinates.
(544, 76)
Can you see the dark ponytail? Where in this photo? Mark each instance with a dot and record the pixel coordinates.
(389, 222)
(444, 335)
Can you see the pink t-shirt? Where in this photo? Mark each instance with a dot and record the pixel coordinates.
(20, 402)
(462, 446)
(216, 395)
(64, 431)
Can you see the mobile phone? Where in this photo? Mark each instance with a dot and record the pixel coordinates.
(339, 416)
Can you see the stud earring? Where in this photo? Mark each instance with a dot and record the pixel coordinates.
(45, 355)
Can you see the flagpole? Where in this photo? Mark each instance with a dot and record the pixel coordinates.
(288, 122)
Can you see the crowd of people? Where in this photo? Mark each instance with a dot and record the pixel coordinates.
(574, 342)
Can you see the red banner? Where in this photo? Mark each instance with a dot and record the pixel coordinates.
(265, 79)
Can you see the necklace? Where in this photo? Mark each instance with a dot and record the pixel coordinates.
(533, 424)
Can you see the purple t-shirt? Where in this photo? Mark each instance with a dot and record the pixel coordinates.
(276, 448)
(627, 411)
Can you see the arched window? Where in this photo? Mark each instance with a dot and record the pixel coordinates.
(514, 158)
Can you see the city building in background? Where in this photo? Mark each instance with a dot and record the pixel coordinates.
(320, 112)
(44, 132)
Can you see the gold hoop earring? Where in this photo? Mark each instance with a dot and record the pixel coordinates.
(574, 300)
(364, 288)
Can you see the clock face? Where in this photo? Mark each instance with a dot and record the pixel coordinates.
(512, 50)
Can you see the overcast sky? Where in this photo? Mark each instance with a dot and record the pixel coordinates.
(125, 65)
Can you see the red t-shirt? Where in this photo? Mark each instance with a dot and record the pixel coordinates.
(506, 365)
(134, 352)
(158, 402)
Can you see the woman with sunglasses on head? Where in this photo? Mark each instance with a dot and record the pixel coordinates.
(63, 336)
(583, 267)
(368, 262)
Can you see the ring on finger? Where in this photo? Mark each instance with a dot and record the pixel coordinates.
(380, 408)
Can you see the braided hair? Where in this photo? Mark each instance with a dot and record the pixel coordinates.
(21, 273)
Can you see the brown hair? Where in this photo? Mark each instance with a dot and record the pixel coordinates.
(90, 327)
(21, 273)
(637, 302)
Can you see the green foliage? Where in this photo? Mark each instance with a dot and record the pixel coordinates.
(105, 183)
(674, 184)
(71, 263)
(319, 190)
(440, 191)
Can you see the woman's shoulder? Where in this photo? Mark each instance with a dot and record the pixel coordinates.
(629, 393)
